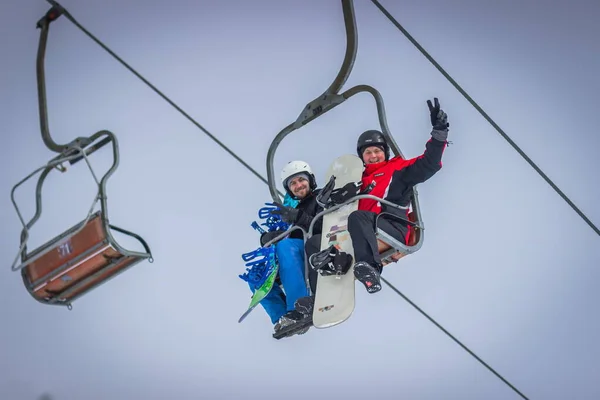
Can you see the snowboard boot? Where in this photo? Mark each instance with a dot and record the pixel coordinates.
(290, 318)
(305, 305)
(368, 276)
(331, 261)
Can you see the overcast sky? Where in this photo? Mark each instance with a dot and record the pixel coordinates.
(506, 266)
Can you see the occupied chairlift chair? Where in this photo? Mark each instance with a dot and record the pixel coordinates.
(87, 255)
(390, 249)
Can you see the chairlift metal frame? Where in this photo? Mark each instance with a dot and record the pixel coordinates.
(391, 249)
(86, 255)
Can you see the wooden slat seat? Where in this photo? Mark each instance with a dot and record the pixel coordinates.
(392, 252)
(75, 262)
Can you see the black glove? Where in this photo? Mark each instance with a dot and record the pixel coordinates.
(439, 121)
(268, 236)
(287, 214)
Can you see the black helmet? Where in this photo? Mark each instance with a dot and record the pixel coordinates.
(372, 138)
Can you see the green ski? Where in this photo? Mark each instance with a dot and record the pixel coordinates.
(264, 289)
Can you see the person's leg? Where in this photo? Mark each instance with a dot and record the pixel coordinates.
(305, 304)
(313, 245)
(274, 303)
(290, 256)
(368, 267)
(361, 227)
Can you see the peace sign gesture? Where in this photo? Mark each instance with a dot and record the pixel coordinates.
(439, 119)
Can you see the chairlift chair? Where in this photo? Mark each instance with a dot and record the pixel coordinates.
(391, 250)
(86, 255)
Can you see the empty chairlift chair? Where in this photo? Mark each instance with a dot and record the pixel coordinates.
(86, 255)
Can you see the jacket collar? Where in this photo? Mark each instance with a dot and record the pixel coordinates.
(371, 168)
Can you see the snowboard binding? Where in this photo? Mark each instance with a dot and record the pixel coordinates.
(331, 261)
(329, 197)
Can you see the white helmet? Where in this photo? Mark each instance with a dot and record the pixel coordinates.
(294, 168)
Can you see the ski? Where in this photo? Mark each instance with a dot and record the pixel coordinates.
(262, 291)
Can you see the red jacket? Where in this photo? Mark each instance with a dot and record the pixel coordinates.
(396, 177)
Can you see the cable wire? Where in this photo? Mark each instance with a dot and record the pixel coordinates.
(186, 115)
(487, 117)
(72, 19)
(453, 338)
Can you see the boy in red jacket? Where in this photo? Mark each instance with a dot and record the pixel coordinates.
(394, 180)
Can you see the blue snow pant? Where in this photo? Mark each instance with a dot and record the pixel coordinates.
(290, 256)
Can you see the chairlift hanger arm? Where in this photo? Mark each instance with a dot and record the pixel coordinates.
(326, 101)
(70, 148)
(331, 98)
(351, 48)
(44, 25)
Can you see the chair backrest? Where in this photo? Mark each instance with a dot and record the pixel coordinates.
(415, 233)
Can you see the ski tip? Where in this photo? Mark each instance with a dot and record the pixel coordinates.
(244, 315)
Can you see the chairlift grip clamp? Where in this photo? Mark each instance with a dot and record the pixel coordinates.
(52, 15)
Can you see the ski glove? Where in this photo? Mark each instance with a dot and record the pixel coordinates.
(439, 121)
(287, 214)
(268, 236)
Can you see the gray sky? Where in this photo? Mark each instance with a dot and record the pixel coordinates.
(506, 266)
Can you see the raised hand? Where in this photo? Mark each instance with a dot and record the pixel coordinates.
(439, 120)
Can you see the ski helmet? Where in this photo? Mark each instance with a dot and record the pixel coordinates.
(293, 169)
(372, 138)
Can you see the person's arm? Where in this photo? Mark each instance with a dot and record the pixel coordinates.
(306, 216)
(423, 167)
(419, 169)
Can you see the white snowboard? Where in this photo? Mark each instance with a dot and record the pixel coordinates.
(334, 300)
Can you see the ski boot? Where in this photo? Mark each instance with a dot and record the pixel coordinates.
(368, 276)
(331, 261)
(305, 305)
(290, 318)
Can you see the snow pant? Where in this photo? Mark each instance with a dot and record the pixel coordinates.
(361, 225)
(290, 257)
(313, 245)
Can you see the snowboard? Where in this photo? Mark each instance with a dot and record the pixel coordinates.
(263, 290)
(334, 299)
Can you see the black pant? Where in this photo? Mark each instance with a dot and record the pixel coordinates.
(361, 225)
(313, 245)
